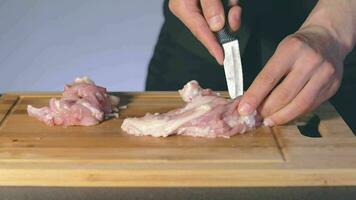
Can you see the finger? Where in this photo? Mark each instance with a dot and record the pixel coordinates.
(326, 93)
(202, 32)
(303, 102)
(331, 88)
(286, 91)
(234, 17)
(233, 2)
(192, 18)
(321, 97)
(275, 69)
(213, 11)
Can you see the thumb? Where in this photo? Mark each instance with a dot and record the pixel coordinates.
(213, 11)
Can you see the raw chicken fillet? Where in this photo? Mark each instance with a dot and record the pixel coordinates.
(206, 114)
(82, 103)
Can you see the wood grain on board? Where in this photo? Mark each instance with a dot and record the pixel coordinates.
(34, 154)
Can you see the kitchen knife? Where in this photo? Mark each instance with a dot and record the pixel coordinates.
(232, 62)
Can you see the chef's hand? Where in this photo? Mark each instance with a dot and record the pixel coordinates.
(307, 67)
(202, 17)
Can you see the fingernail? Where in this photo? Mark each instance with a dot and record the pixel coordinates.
(268, 122)
(216, 22)
(245, 109)
(237, 18)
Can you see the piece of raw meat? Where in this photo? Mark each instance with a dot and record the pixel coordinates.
(206, 114)
(82, 103)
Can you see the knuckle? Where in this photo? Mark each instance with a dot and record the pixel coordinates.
(175, 6)
(314, 58)
(304, 104)
(172, 6)
(250, 98)
(337, 84)
(329, 70)
(333, 89)
(312, 61)
(291, 43)
(210, 11)
(284, 94)
(266, 111)
(211, 5)
(283, 120)
(279, 120)
(267, 77)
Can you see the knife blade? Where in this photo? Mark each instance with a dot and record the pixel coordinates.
(232, 62)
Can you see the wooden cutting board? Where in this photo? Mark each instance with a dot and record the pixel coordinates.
(32, 154)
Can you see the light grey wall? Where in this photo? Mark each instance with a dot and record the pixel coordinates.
(46, 43)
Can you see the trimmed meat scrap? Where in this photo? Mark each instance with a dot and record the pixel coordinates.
(206, 114)
(83, 103)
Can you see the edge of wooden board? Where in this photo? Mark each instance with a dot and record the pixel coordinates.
(177, 178)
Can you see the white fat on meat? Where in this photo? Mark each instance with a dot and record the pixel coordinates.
(206, 114)
(162, 125)
(44, 114)
(192, 89)
(83, 103)
(84, 79)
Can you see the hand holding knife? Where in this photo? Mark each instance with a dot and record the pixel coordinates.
(232, 61)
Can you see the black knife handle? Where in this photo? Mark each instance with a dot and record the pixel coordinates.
(224, 35)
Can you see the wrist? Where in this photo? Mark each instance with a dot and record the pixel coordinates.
(337, 19)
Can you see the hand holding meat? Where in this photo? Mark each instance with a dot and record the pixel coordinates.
(306, 68)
